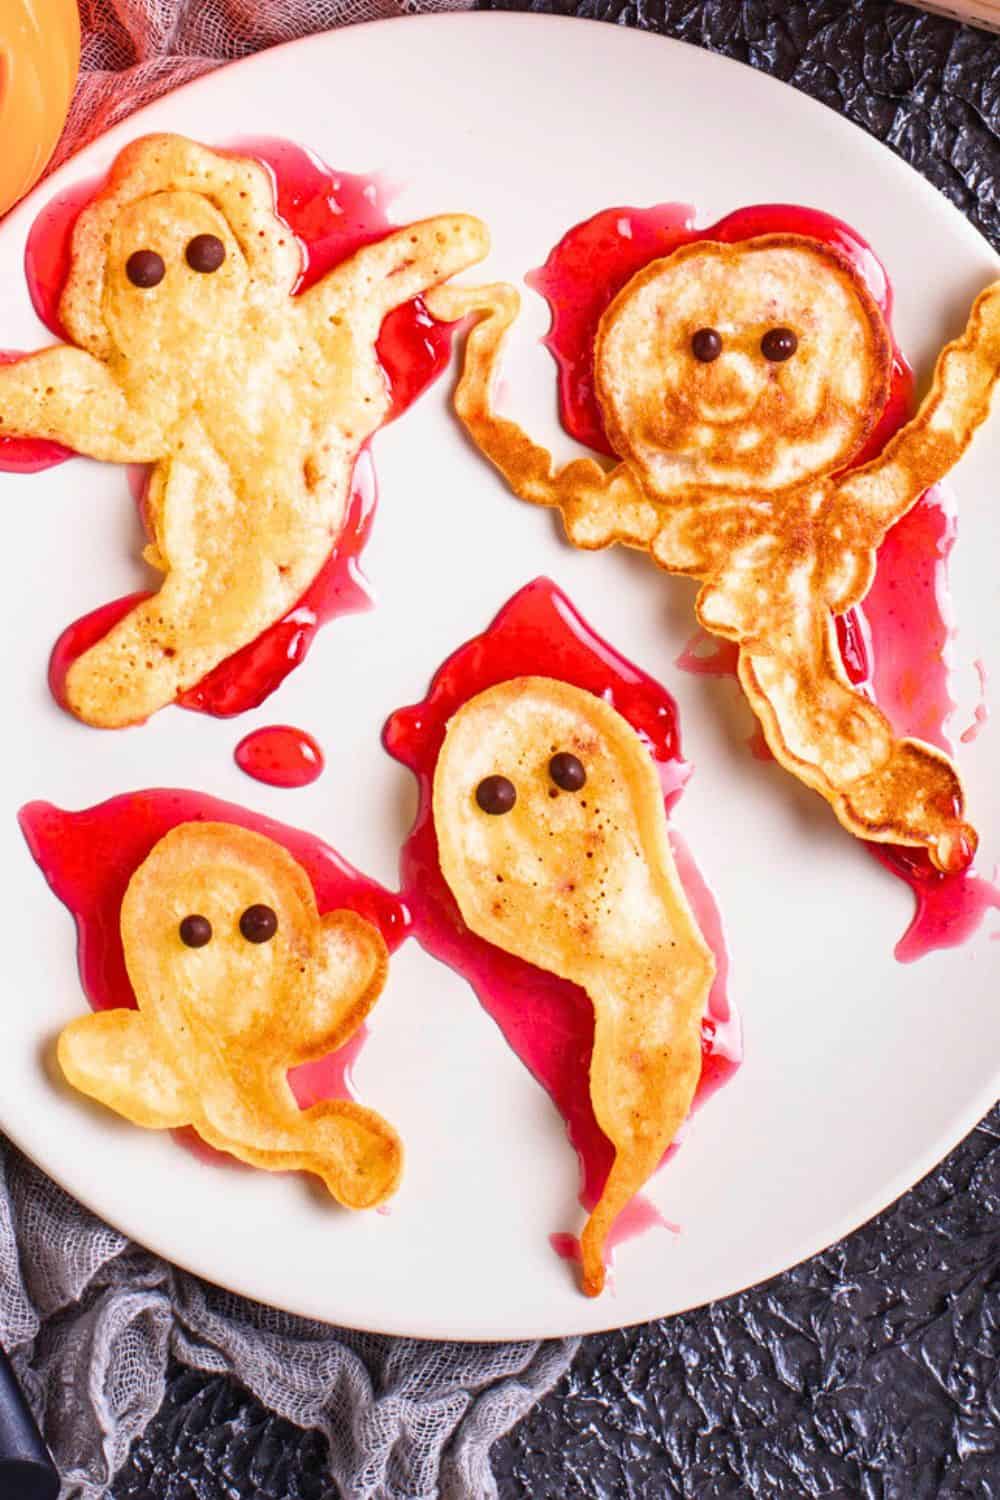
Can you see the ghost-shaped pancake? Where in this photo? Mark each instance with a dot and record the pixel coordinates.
(237, 979)
(553, 839)
(189, 352)
(736, 383)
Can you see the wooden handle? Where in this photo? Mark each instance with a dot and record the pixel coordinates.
(984, 13)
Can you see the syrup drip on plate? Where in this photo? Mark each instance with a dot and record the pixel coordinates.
(332, 214)
(89, 857)
(280, 755)
(896, 643)
(981, 712)
(547, 1020)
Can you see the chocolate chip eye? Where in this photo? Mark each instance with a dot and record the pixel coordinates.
(706, 345)
(778, 344)
(195, 931)
(567, 772)
(258, 924)
(205, 253)
(144, 268)
(496, 795)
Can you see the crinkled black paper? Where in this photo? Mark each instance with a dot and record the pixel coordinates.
(873, 1371)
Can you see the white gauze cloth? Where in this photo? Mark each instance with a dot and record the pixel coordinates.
(90, 1319)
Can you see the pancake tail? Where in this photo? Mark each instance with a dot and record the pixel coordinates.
(626, 1178)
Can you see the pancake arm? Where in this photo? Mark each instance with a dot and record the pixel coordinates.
(67, 396)
(109, 1057)
(348, 979)
(598, 506)
(380, 277)
(872, 498)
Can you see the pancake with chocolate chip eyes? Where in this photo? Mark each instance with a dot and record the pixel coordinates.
(754, 365)
(191, 349)
(553, 840)
(237, 978)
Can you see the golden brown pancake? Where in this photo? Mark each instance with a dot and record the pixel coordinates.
(226, 1007)
(581, 882)
(251, 404)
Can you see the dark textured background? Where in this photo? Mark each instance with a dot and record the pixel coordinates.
(873, 1371)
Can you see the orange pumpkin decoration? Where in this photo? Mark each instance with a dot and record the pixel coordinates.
(39, 56)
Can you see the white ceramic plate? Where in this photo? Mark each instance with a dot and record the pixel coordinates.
(860, 1073)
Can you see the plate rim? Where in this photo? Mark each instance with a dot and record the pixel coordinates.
(967, 1117)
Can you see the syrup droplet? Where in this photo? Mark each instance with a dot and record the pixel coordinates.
(981, 712)
(280, 755)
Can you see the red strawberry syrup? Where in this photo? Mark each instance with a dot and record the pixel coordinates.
(549, 1021)
(981, 711)
(896, 643)
(280, 755)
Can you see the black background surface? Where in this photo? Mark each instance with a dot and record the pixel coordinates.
(873, 1371)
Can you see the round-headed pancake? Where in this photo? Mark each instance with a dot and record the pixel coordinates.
(745, 366)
